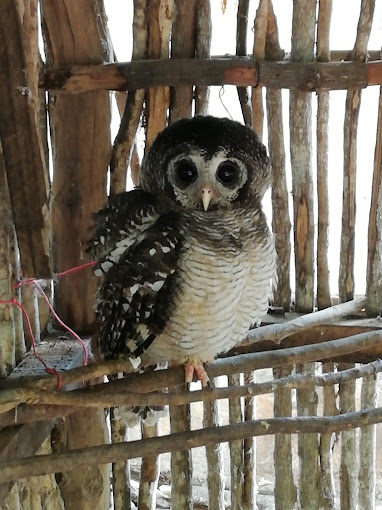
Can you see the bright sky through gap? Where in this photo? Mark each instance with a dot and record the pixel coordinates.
(342, 37)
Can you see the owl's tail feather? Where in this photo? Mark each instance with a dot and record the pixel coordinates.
(149, 415)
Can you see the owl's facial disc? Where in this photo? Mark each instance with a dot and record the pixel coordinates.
(199, 182)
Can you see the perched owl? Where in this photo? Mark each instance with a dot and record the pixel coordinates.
(187, 258)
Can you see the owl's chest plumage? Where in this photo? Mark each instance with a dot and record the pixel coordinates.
(220, 289)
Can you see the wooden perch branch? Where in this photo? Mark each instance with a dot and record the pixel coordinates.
(129, 391)
(245, 362)
(276, 332)
(116, 393)
(239, 71)
(14, 469)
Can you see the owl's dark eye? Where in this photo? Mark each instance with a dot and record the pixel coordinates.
(227, 174)
(186, 172)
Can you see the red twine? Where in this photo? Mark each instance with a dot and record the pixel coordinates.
(14, 302)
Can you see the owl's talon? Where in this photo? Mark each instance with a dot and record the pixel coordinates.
(198, 368)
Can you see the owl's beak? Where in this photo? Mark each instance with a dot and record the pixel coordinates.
(207, 195)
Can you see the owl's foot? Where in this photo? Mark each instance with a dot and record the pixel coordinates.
(198, 368)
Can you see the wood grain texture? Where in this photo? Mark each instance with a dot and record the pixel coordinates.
(21, 135)
(80, 128)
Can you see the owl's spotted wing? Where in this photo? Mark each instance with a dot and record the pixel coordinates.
(137, 269)
(118, 226)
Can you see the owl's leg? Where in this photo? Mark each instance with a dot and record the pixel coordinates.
(198, 368)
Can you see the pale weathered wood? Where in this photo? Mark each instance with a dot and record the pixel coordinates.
(326, 445)
(236, 449)
(181, 459)
(349, 451)
(374, 259)
(322, 127)
(20, 134)
(150, 469)
(101, 395)
(285, 489)
(352, 108)
(281, 224)
(300, 120)
(87, 457)
(239, 71)
(249, 450)
(308, 451)
(323, 289)
(367, 447)
(214, 456)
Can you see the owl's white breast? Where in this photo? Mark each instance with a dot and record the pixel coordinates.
(222, 289)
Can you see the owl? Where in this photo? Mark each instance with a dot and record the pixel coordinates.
(186, 259)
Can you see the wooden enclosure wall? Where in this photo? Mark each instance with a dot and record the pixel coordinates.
(324, 373)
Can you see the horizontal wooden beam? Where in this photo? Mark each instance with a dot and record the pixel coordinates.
(14, 469)
(239, 71)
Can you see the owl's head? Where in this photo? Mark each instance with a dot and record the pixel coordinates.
(207, 163)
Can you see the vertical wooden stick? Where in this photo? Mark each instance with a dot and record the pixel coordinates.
(367, 445)
(285, 488)
(120, 470)
(374, 259)
(214, 455)
(236, 450)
